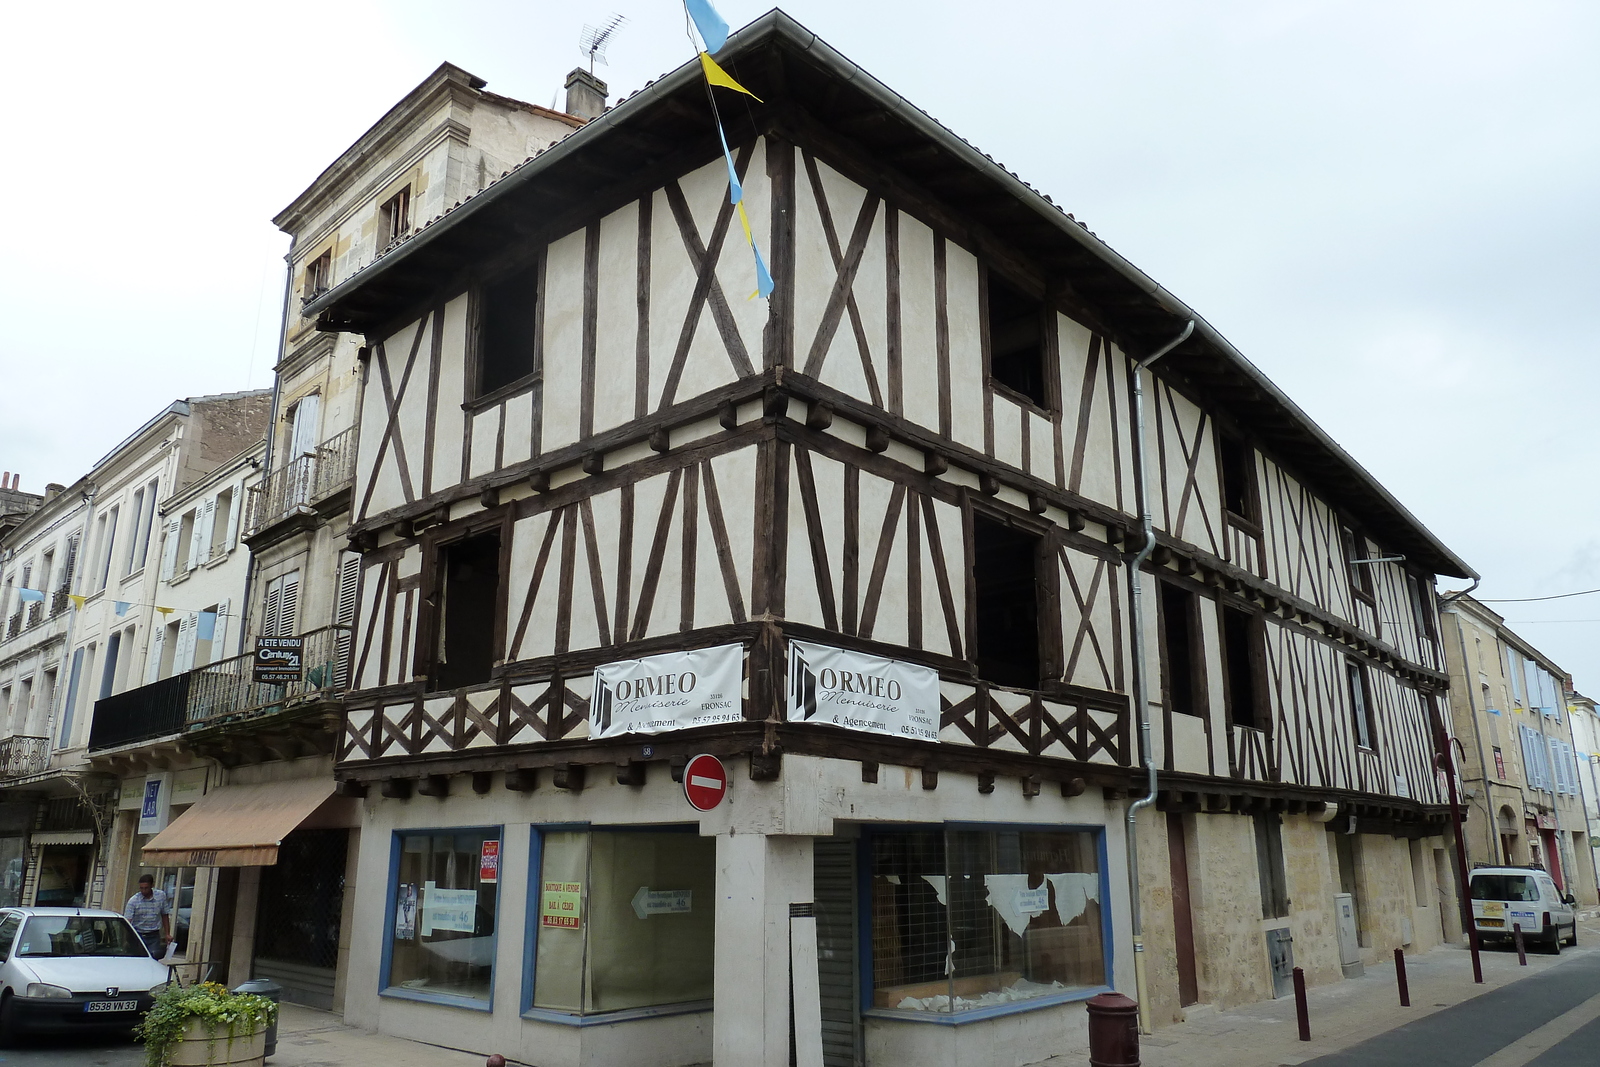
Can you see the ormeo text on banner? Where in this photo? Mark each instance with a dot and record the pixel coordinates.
(862, 692)
(672, 691)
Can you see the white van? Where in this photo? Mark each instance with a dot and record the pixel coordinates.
(1506, 897)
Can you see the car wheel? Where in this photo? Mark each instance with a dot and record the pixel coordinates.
(1552, 944)
(8, 1021)
(1573, 940)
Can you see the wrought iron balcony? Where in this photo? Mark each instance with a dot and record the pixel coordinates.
(302, 482)
(14, 624)
(21, 756)
(220, 693)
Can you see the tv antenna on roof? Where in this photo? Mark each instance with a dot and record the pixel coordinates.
(594, 40)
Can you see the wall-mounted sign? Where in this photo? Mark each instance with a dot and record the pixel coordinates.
(705, 782)
(648, 902)
(157, 799)
(862, 692)
(561, 905)
(279, 660)
(672, 691)
(489, 862)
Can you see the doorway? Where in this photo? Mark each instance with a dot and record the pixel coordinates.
(63, 875)
(298, 913)
(1182, 915)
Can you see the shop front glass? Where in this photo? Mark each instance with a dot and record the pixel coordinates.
(963, 919)
(625, 920)
(443, 898)
(13, 869)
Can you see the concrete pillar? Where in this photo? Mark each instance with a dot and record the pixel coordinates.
(758, 877)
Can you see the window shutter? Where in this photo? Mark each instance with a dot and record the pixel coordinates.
(234, 512)
(269, 610)
(158, 642)
(349, 579)
(71, 565)
(169, 548)
(183, 658)
(219, 638)
(287, 612)
(205, 522)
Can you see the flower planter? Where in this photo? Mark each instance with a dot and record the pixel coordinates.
(200, 1049)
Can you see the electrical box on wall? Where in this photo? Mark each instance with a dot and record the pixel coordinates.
(1344, 908)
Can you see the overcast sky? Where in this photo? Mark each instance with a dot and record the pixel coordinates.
(1390, 208)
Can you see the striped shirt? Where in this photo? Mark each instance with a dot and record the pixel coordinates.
(145, 914)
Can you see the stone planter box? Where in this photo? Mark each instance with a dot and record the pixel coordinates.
(198, 1049)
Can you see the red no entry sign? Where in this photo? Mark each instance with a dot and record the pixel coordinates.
(705, 782)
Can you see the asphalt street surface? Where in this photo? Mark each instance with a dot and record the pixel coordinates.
(1549, 1020)
(74, 1051)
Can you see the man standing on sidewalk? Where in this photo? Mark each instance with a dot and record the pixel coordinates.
(149, 910)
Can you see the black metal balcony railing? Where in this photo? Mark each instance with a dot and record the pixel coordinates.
(154, 710)
(21, 756)
(35, 613)
(58, 602)
(303, 481)
(14, 624)
(220, 692)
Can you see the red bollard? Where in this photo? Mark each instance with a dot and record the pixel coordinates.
(1522, 950)
(1302, 1012)
(1113, 1031)
(1400, 977)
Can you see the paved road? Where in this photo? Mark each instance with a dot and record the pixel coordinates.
(73, 1052)
(1549, 1020)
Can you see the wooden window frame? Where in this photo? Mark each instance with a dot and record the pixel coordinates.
(1046, 577)
(1256, 651)
(1199, 697)
(1249, 524)
(394, 218)
(1354, 671)
(433, 543)
(319, 275)
(1049, 343)
(476, 302)
(1353, 544)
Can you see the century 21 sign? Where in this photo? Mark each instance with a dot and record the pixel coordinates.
(279, 659)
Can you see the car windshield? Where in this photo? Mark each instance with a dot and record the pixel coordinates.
(79, 935)
(1504, 887)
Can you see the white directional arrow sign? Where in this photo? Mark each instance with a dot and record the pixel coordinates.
(648, 902)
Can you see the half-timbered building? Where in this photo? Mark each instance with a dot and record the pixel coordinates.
(868, 541)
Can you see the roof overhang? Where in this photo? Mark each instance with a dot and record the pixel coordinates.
(809, 86)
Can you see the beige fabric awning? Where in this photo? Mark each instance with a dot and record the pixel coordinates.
(237, 825)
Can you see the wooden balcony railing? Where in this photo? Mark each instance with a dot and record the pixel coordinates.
(303, 481)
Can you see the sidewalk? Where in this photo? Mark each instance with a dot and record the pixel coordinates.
(311, 1038)
(1342, 1013)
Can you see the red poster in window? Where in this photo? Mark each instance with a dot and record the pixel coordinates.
(489, 862)
(1499, 765)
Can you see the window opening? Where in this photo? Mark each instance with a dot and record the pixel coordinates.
(319, 273)
(1360, 703)
(1016, 340)
(469, 593)
(1422, 608)
(508, 342)
(1238, 472)
(394, 218)
(1355, 548)
(1005, 566)
(1181, 647)
(1240, 634)
(445, 894)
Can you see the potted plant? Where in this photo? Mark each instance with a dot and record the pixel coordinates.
(205, 1025)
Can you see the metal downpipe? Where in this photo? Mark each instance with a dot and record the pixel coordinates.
(1141, 701)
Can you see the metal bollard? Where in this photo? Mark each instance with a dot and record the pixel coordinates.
(1113, 1031)
(1400, 977)
(1522, 949)
(1302, 1011)
(265, 987)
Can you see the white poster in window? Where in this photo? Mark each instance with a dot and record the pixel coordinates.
(453, 910)
(672, 691)
(862, 692)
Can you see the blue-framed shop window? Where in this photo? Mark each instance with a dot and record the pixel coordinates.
(966, 921)
(621, 923)
(442, 920)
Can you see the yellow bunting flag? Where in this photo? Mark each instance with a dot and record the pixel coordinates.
(77, 601)
(717, 76)
(165, 611)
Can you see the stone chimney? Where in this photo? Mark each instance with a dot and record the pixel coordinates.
(586, 95)
(53, 490)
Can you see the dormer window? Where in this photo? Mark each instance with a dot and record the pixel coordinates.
(1016, 340)
(394, 218)
(319, 275)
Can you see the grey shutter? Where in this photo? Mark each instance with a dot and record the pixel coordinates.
(834, 890)
(158, 641)
(169, 547)
(219, 637)
(288, 606)
(235, 509)
(270, 609)
(183, 658)
(205, 523)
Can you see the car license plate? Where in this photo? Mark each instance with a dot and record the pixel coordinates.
(111, 1005)
(1491, 922)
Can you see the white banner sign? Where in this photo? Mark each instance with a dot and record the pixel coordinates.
(455, 910)
(672, 691)
(862, 692)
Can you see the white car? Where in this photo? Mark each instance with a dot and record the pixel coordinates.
(72, 970)
(1504, 898)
